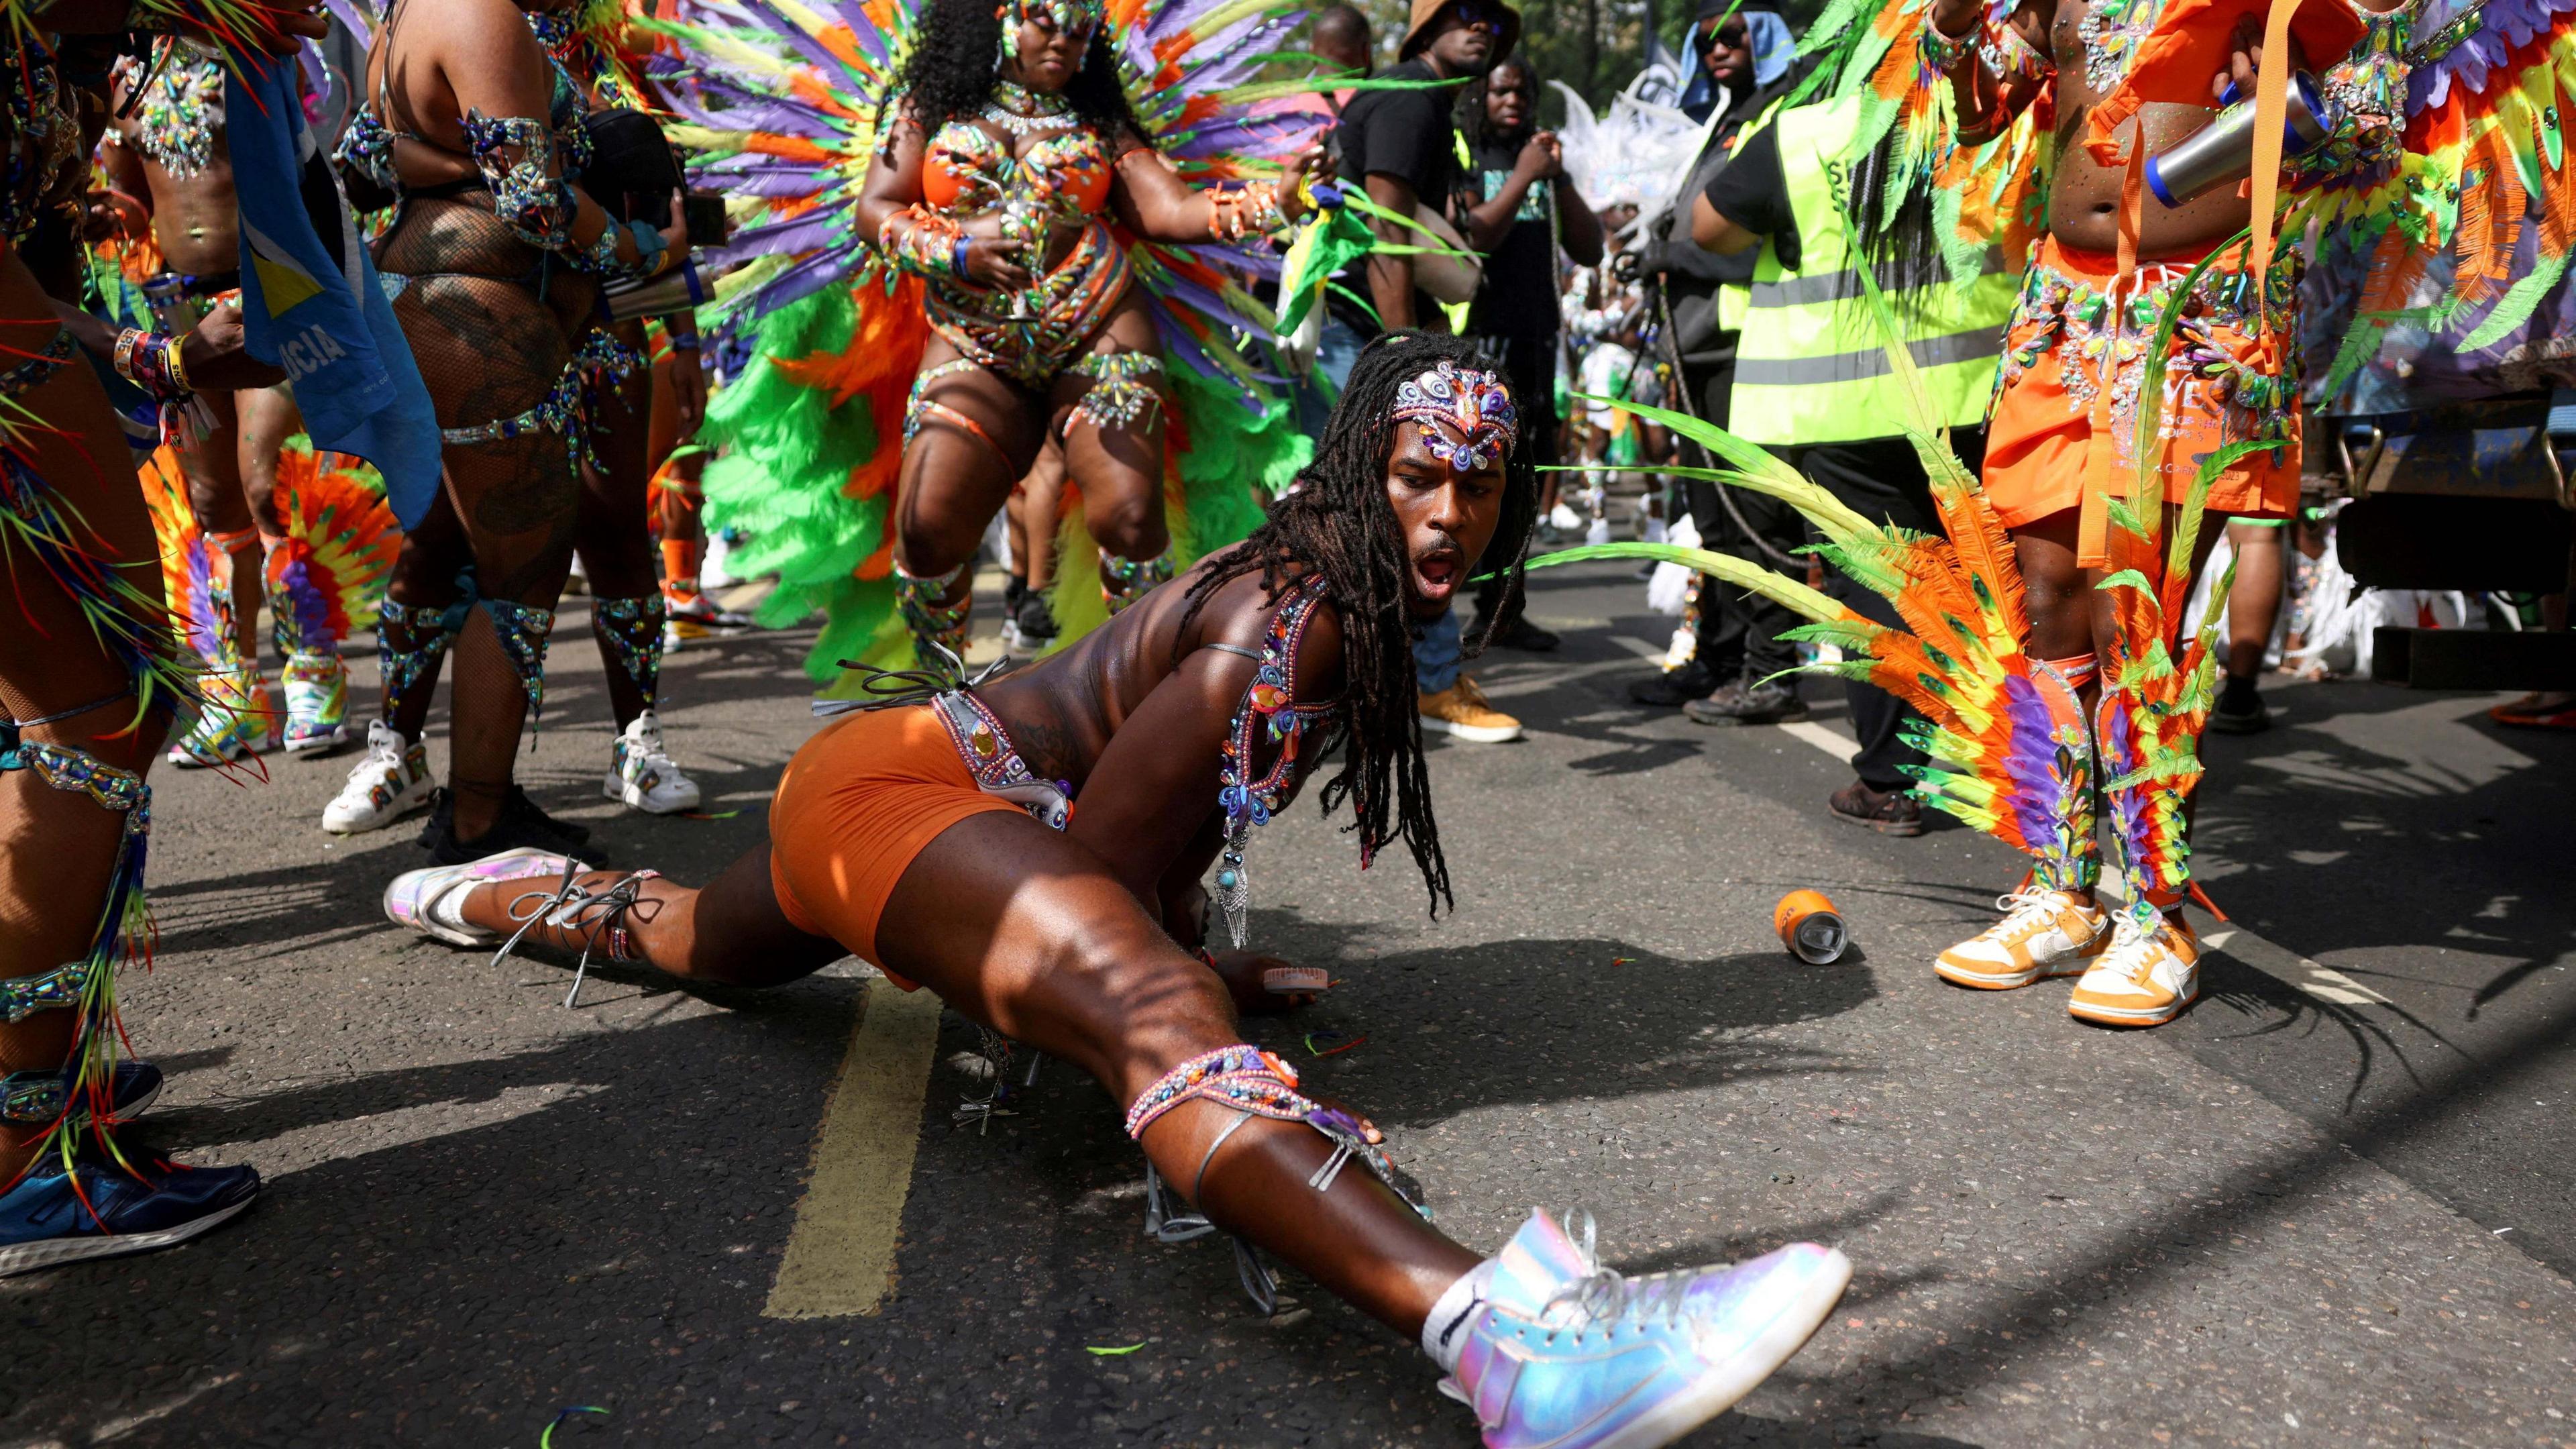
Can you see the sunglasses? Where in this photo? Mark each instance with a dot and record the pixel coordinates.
(1478, 17)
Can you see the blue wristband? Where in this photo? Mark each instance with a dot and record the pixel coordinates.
(649, 245)
(957, 255)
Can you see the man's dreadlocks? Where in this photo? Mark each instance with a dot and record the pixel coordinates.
(1338, 525)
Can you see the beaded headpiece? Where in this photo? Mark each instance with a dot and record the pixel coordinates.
(1470, 402)
(1070, 17)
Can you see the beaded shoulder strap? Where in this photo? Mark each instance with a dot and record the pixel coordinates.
(1270, 704)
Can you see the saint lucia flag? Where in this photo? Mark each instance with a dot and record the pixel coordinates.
(310, 300)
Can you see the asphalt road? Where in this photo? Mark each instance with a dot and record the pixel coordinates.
(2331, 1205)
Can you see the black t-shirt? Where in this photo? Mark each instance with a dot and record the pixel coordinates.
(1403, 134)
(1517, 297)
(1753, 192)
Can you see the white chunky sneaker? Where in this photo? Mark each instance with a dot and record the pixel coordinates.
(641, 773)
(2146, 979)
(2043, 933)
(391, 782)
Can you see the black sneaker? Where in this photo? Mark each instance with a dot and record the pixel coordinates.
(520, 823)
(1770, 702)
(1675, 687)
(2239, 710)
(1522, 634)
(1036, 620)
(1891, 812)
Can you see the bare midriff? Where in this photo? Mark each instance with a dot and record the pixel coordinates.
(2084, 194)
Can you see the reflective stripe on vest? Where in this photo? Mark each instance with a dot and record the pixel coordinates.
(1811, 363)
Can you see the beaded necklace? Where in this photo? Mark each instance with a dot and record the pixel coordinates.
(1271, 700)
(1024, 112)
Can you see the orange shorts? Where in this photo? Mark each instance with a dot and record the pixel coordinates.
(2231, 377)
(856, 804)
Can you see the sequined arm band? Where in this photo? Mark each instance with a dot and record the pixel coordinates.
(2012, 58)
(924, 242)
(1942, 53)
(527, 196)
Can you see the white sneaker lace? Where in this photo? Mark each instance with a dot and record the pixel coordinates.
(1605, 1295)
(644, 754)
(2024, 908)
(384, 756)
(2131, 951)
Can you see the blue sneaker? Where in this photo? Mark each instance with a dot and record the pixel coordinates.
(44, 1220)
(37, 1097)
(1568, 1354)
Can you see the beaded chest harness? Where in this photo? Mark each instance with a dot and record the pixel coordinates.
(1270, 706)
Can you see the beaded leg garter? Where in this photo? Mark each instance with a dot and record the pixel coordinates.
(524, 630)
(410, 640)
(630, 632)
(1122, 392)
(86, 986)
(1125, 580)
(938, 627)
(1253, 1083)
(921, 408)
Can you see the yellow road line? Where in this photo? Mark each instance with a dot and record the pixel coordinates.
(840, 1255)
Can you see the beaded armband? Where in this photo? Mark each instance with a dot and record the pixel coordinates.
(2010, 57)
(526, 196)
(1252, 211)
(1943, 54)
(922, 242)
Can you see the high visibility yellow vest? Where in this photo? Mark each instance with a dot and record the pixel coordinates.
(1811, 364)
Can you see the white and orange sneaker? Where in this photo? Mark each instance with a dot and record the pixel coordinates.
(2146, 979)
(2044, 932)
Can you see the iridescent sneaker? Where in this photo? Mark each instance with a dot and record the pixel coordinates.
(237, 720)
(1564, 1353)
(317, 703)
(642, 774)
(100, 1210)
(432, 901)
(391, 782)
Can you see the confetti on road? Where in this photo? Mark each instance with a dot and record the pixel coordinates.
(709, 815)
(1100, 1352)
(1313, 1050)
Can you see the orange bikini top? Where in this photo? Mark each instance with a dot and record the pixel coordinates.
(966, 170)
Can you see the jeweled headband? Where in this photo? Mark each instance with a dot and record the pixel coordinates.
(1471, 402)
(1071, 17)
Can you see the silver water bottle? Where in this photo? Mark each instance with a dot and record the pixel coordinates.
(2222, 153)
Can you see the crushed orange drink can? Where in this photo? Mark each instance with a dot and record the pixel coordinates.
(1810, 928)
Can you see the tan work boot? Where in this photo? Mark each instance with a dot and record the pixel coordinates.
(1461, 711)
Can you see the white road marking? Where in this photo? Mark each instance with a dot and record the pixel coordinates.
(840, 1254)
(1824, 737)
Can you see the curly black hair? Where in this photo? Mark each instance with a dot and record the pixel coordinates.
(949, 74)
(1338, 524)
